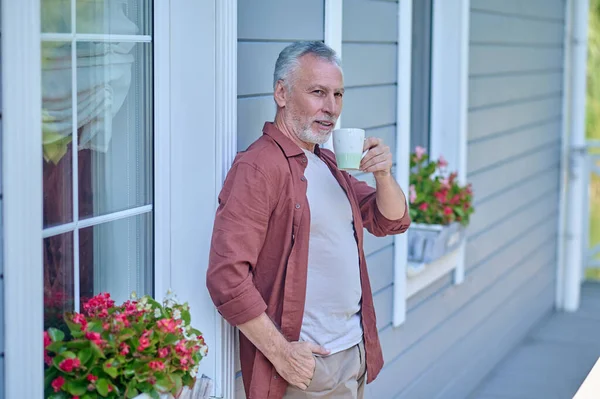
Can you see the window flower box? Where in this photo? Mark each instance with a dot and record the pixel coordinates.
(440, 208)
(429, 242)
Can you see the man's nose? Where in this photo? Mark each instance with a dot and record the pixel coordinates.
(330, 104)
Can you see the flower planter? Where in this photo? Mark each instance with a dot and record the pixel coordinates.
(202, 390)
(429, 242)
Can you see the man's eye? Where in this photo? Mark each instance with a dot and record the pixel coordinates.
(340, 95)
(319, 92)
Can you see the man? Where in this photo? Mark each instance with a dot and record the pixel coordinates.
(287, 265)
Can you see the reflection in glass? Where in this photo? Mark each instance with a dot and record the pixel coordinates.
(58, 279)
(120, 258)
(55, 16)
(115, 118)
(115, 17)
(57, 122)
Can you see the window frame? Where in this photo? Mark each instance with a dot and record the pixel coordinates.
(22, 210)
(448, 127)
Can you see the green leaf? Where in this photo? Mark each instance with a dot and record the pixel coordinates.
(110, 368)
(164, 384)
(59, 395)
(178, 383)
(185, 316)
(170, 339)
(56, 334)
(85, 355)
(56, 347)
(96, 349)
(77, 388)
(102, 386)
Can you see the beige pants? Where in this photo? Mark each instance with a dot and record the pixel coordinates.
(338, 376)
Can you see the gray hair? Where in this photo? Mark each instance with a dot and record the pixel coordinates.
(288, 59)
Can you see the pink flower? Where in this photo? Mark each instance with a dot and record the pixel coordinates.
(442, 163)
(58, 383)
(423, 207)
(69, 365)
(144, 343)
(168, 325)
(445, 182)
(92, 378)
(78, 318)
(413, 193)
(157, 365)
(99, 305)
(447, 211)
(47, 359)
(163, 352)
(123, 349)
(419, 151)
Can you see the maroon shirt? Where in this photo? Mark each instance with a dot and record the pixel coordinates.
(259, 252)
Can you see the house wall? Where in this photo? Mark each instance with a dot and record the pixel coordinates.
(454, 335)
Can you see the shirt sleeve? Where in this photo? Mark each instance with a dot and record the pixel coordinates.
(373, 219)
(238, 235)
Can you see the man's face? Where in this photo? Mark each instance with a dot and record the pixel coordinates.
(314, 102)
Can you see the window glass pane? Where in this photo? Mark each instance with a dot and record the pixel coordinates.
(56, 16)
(58, 279)
(421, 74)
(114, 121)
(116, 17)
(117, 257)
(57, 127)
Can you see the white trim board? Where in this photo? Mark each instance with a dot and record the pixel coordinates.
(226, 148)
(426, 274)
(22, 201)
(334, 12)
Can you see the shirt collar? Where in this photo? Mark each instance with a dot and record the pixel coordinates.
(290, 149)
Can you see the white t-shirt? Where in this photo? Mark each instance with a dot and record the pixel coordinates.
(333, 292)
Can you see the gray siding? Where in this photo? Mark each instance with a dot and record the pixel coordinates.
(369, 56)
(515, 84)
(265, 27)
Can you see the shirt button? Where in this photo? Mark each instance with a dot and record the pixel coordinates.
(303, 178)
(303, 160)
(297, 206)
(275, 377)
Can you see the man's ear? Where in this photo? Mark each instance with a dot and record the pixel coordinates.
(281, 94)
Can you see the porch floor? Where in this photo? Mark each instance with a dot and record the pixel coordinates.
(554, 358)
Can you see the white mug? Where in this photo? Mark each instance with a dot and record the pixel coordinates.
(348, 145)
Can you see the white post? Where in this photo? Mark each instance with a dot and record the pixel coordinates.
(575, 134)
(22, 204)
(402, 151)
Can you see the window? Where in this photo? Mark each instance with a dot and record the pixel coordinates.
(432, 108)
(97, 145)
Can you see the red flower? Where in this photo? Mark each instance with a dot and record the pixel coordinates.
(99, 305)
(58, 383)
(69, 364)
(157, 365)
(47, 359)
(424, 206)
(94, 337)
(447, 211)
(92, 378)
(47, 339)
